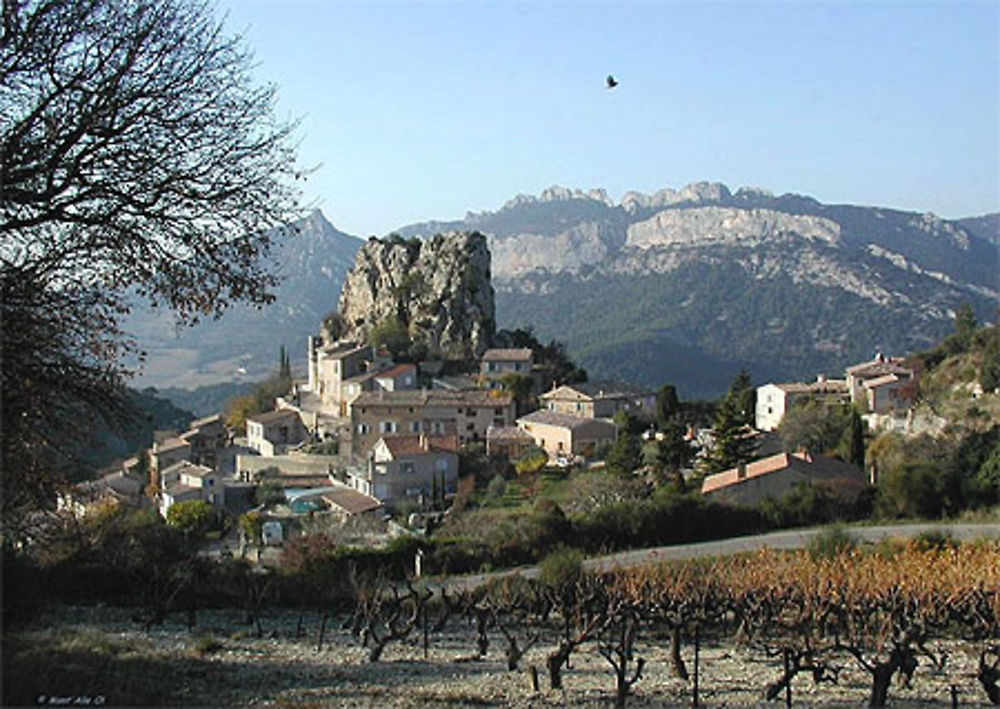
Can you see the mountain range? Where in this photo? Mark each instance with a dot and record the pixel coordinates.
(244, 343)
(683, 286)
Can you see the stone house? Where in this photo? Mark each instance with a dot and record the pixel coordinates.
(495, 363)
(890, 392)
(774, 400)
(118, 488)
(401, 377)
(507, 441)
(883, 382)
(467, 414)
(272, 432)
(185, 481)
(407, 466)
(338, 369)
(562, 434)
(777, 475)
(347, 504)
(207, 436)
(594, 400)
(166, 452)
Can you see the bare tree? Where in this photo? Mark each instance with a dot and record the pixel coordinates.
(138, 161)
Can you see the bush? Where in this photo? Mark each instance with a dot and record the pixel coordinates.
(531, 461)
(935, 539)
(831, 542)
(497, 487)
(562, 568)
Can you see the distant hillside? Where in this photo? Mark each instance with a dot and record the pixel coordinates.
(684, 286)
(986, 226)
(688, 286)
(243, 345)
(207, 399)
(110, 443)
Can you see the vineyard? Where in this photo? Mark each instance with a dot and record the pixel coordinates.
(902, 624)
(885, 613)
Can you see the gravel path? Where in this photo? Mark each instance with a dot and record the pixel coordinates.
(791, 539)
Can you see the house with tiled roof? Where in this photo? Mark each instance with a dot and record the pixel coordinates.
(117, 487)
(348, 504)
(883, 384)
(507, 441)
(599, 400)
(186, 481)
(776, 476)
(206, 436)
(466, 414)
(562, 434)
(271, 432)
(499, 362)
(774, 400)
(409, 466)
(166, 451)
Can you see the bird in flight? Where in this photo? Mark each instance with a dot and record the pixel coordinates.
(612, 82)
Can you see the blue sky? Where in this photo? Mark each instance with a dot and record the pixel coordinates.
(426, 110)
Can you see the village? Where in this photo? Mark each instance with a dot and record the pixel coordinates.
(368, 448)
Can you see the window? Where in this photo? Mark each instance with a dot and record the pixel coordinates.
(388, 427)
(406, 467)
(415, 427)
(441, 464)
(498, 411)
(470, 427)
(363, 429)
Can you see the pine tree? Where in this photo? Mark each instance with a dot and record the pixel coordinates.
(667, 405)
(625, 455)
(734, 444)
(856, 446)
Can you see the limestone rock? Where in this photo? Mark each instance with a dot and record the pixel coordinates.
(439, 289)
(725, 225)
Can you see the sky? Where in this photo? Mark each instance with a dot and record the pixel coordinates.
(413, 111)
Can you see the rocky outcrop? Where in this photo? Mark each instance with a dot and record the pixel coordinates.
(579, 246)
(727, 226)
(438, 289)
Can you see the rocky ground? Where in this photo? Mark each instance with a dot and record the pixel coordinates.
(94, 656)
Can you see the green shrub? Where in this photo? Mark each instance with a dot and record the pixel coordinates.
(497, 487)
(831, 542)
(531, 461)
(561, 568)
(935, 539)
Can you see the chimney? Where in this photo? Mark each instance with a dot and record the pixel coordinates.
(741, 472)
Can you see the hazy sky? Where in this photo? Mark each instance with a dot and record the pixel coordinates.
(426, 110)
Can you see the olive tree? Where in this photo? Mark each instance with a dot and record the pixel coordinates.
(139, 162)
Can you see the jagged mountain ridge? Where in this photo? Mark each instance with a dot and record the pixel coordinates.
(312, 262)
(688, 286)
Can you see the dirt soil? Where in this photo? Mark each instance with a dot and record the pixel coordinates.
(84, 656)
